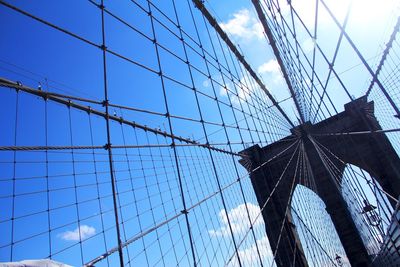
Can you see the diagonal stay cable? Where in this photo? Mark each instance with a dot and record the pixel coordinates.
(188, 209)
(363, 60)
(277, 55)
(199, 4)
(332, 63)
(384, 55)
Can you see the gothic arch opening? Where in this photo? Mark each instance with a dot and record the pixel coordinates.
(319, 239)
(368, 205)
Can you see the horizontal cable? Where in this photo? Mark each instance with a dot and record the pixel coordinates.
(88, 109)
(45, 94)
(29, 148)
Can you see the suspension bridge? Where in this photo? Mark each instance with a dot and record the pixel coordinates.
(139, 133)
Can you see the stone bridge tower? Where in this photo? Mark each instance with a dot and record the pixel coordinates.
(370, 151)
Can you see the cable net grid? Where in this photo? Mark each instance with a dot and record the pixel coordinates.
(58, 151)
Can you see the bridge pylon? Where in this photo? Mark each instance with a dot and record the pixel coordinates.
(371, 151)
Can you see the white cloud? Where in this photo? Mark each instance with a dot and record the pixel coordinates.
(272, 66)
(83, 232)
(223, 91)
(238, 218)
(240, 224)
(234, 98)
(41, 262)
(206, 83)
(238, 92)
(272, 69)
(243, 25)
(228, 88)
(249, 256)
(308, 45)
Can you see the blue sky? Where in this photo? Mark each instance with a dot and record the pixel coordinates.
(62, 64)
(37, 55)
